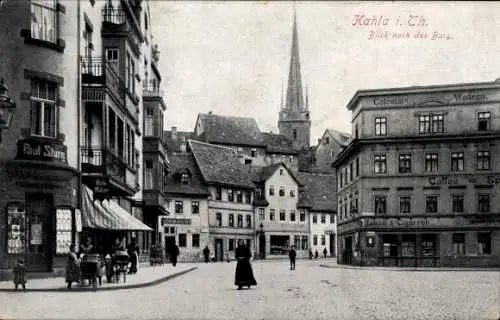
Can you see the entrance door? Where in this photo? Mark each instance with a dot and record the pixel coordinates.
(348, 250)
(39, 224)
(219, 250)
(332, 246)
(169, 243)
(262, 246)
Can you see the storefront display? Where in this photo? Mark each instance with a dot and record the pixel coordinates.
(63, 225)
(16, 224)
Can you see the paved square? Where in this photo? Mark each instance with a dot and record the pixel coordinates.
(309, 292)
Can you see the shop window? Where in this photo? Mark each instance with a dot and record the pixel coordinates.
(182, 240)
(431, 162)
(240, 221)
(195, 240)
(305, 243)
(483, 160)
(315, 240)
(484, 243)
(457, 161)
(248, 243)
(282, 215)
(230, 245)
(279, 244)
(380, 163)
(323, 218)
(431, 204)
(390, 245)
(271, 190)
(408, 245)
(315, 218)
(292, 215)
(380, 205)
(262, 214)
(271, 214)
(249, 221)
(195, 207)
(179, 207)
(429, 245)
(44, 111)
(230, 195)
(458, 240)
(231, 220)
(44, 22)
(218, 193)
(302, 215)
(458, 203)
(380, 126)
(16, 232)
(405, 163)
(404, 205)
(483, 203)
(483, 121)
(218, 218)
(296, 242)
(282, 191)
(323, 240)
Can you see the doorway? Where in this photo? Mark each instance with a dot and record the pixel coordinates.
(40, 232)
(262, 246)
(348, 250)
(169, 244)
(219, 250)
(333, 252)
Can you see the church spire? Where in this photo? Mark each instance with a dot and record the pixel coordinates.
(281, 105)
(294, 94)
(307, 97)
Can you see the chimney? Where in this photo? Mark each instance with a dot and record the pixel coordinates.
(210, 112)
(174, 133)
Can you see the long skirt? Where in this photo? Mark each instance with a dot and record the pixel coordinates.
(244, 274)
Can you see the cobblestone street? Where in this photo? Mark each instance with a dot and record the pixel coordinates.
(309, 292)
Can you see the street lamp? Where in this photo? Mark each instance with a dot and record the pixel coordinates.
(262, 248)
(7, 106)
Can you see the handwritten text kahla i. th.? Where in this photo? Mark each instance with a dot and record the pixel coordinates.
(415, 23)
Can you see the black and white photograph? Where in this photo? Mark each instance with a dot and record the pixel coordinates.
(254, 160)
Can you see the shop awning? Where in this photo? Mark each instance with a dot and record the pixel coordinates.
(107, 215)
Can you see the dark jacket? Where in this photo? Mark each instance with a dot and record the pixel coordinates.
(292, 253)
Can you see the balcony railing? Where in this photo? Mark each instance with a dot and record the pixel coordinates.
(95, 69)
(151, 88)
(100, 160)
(113, 15)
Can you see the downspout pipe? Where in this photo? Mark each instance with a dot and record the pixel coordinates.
(79, 111)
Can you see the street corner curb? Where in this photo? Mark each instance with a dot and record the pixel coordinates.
(122, 287)
(411, 269)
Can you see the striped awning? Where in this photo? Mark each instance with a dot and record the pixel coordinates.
(107, 215)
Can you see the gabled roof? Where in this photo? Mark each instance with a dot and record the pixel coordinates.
(231, 130)
(341, 137)
(220, 165)
(179, 163)
(278, 143)
(174, 145)
(320, 190)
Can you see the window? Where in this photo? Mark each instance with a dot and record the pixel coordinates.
(323, 240)
(483, 160)
(405, 163)
(248, 197)
(271, 214)
(380, 126)
(239, 196)
(296, 242)
(327, 140)
(431, 204)
(240, 221)
(282, 215)
(431, 162)
(282, 191)
(239, 150)
(315, 240)
(218, 193)
(483, 203)
(290, 159)
(323, 218)
(408, 245)
(271, 190)
(253, 153)
(380, 204)
(483, 243)
(424, 124)
(302, 215)
(148, 122)
(44, 112)
(258, 194)
(230, 195)
(380, 163)
(483, 121)
(262, 214)
(437, 123)
(292, 192)
(332, 153)
(305, 243)
(357, 167)
(130, 76)
(355, 131)
(404, 205)
(230, 246)
(458, 203)
(458, 240)
(292, 215)
(195, 240)
(281, 172)
(351, 171)
(218, 217)
(457, 161)
(332, 218)
(249, 221)
(44, 20)
(231, 220)
(179, 207)
(182, 240)
(148, 174)
(185, 178)
(112, 55)
(294, 134)
(195, 207)
(341, 178)
(315, 218)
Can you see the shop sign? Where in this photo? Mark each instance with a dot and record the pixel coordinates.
(451, 181)
(394, 222)
(469, 97)
(41, 151)
(175, 221)
(101, 186)
(390, 101)
(329, 231)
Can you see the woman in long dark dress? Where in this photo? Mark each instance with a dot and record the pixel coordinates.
(244, 273)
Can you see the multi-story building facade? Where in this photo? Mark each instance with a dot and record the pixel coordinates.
(418, 184)
(281, 218)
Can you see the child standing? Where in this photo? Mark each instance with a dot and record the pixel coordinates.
(20, 275)
(292, 254)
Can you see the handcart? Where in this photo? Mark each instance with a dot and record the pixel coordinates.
(90, 269)
(156, 255)
(122, 260)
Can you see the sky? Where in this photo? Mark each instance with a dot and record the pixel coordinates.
(232, 58)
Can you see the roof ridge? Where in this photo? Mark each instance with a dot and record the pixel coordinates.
(212, 145)
(226, 116)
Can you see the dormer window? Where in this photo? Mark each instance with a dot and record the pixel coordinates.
(185, 178)
(254, 153)
(281, 172)
(327, 140)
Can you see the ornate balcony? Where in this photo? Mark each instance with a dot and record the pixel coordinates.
(151, 89)
(97, 71)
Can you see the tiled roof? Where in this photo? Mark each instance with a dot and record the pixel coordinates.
(278, 143)
(221, 165)
(341, 137)
(320, 190)
(179, 163)
(174, 145)
(231, 130)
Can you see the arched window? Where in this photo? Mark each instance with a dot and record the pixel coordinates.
(294, 134)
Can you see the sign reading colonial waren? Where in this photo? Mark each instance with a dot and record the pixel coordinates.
(41, 150)
(175, 221)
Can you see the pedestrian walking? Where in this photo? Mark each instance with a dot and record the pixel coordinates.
(133, 253)
(206, 253)
(310, 254)
(292, 254)
(325, 253)
(20, 275)
(174, 254)
(316, 255)
(72, 267)
(244, 273)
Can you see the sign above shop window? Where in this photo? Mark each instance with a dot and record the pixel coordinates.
(41, 150)
(175, 221)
